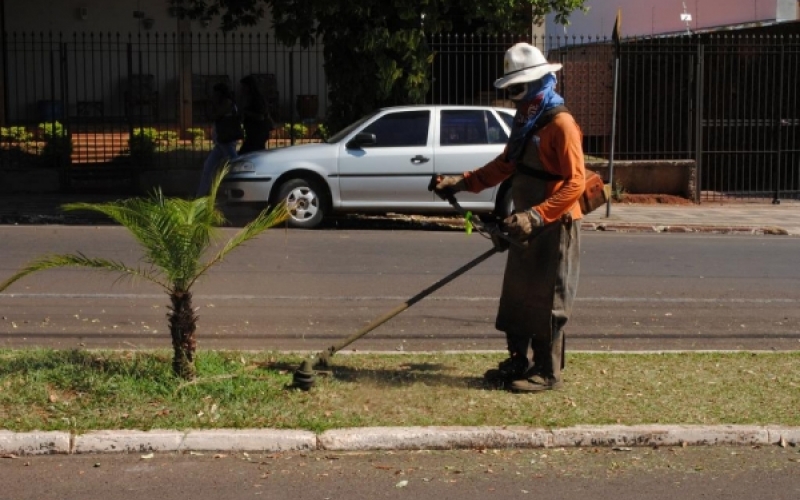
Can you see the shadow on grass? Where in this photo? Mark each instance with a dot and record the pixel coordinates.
(128, 364)
(405, 374)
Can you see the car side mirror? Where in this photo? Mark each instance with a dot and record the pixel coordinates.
(362, 139)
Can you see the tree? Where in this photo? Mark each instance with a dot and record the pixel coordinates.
(375, 50)
(175, 234)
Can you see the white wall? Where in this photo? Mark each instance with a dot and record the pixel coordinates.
(646, 17)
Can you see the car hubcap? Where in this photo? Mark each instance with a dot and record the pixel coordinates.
(302, 203)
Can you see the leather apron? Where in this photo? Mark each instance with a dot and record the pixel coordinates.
(540, 280)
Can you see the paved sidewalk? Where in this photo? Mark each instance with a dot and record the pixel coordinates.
(745, 218)
(711, 217)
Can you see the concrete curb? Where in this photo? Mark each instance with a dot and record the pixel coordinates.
(391, 438)
(634, 227)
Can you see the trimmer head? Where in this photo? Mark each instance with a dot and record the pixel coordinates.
(303, 377)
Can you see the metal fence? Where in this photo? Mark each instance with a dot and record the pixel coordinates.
(728, 102)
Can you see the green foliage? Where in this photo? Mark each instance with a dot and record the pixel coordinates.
(52, 130)
(19, 135)
(57, 142)
(143, 144)
(618, 192)
(300, 130)
(168, 136)
(197, 135)
(322, 132)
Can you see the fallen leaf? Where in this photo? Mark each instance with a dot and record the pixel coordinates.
(401, 484)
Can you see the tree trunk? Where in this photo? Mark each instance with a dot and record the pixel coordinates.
(182, 325)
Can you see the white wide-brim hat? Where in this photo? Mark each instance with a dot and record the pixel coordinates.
(524, 63)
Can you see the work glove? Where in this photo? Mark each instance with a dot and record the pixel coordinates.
(521, 225)
(451, 183)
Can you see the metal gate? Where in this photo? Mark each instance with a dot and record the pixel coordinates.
(748, 143)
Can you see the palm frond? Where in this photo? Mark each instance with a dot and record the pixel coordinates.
(173, 232)
(268, 218)
(80, 260)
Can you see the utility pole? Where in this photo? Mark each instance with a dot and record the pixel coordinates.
(687, 18)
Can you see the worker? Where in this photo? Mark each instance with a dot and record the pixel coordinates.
(544, 159)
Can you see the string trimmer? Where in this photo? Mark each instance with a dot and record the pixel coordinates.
(304, 375)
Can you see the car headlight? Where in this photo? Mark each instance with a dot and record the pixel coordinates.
(241, 167)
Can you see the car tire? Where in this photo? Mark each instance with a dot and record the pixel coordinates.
(305, 202)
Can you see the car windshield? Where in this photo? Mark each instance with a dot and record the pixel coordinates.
(507, 116)
(346, 131)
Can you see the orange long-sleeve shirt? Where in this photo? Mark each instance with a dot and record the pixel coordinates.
(561, 154)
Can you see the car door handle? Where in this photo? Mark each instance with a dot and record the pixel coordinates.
(419, 159)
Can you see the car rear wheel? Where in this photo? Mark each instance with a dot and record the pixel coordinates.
(304, 201)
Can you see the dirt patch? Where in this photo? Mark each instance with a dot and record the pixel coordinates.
(654, 199)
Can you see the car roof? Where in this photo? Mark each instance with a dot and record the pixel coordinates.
(444, 106)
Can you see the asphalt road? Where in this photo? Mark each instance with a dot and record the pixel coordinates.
(730, 473)
(305, 290)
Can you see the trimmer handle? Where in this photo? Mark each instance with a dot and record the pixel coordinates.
(495, 230)
(446, 194)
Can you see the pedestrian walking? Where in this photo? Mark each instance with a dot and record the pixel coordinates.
(544, 159)
(226, 131)
(255, 116)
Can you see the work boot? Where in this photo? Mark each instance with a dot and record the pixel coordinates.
(508, 370)
(546, 372)
(536, 382)
(516, 365)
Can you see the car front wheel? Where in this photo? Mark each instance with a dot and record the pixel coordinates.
(304, 202)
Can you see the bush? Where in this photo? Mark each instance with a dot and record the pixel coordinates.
(168, 136)
(143, 144)
(57, 142)
(197, 134)
(19, 135)
(300, 130)
(322, 132)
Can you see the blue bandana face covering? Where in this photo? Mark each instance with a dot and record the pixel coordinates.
(540, 97)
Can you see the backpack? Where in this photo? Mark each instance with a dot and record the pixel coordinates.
(595, 193)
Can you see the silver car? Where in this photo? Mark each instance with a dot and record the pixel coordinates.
(381, 163)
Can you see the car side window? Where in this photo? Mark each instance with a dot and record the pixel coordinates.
(403, 129)
(462, 127)
(496, 133)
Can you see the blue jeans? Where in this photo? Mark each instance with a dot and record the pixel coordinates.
(220, 153)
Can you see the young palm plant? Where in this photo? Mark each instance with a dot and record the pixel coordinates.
(174, 233)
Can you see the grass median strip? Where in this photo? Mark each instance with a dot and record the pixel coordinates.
(85, 390)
